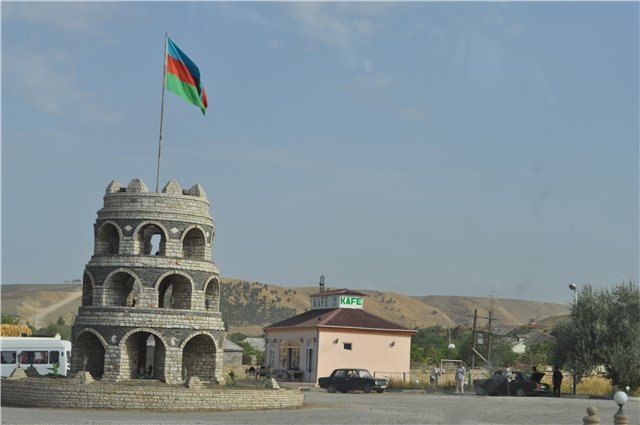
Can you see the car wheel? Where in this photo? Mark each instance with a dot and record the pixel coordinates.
(380, 391)
(331, 388)
(366, 388)
(481, 391)
(343, 391)
(520, 392)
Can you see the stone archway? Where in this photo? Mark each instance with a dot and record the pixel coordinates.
(88, 346)
(108, 239)
(119, 289)
(212, 295)
(174, 292)
(199, 358)
(143, 356)
(150, 238)
(194, 244)
(87, 289)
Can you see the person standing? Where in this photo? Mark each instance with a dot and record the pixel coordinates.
(460, 374)
(557, 381)
(508, 376)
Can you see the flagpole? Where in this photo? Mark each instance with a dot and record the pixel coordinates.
(164, 81)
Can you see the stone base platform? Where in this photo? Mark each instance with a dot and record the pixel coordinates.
(140, 395)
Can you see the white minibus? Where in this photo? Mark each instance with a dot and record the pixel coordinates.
(40, 352)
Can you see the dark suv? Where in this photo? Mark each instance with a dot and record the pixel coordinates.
(522, 384)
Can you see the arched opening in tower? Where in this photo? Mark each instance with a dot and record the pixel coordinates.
(193, 245)
(151, 240)
(87, 290)
(88, 354)
(175, 292)
(212, 295)
(108, 240)
(199, 358)
(120, 290)
(144, 356)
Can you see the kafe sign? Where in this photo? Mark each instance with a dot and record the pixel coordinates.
(350, 301)
(336, 301)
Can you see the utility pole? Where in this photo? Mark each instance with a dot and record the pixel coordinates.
(490, 320)
(473, 351)
(476, 332)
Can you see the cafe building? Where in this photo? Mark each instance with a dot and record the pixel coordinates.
(337, 333)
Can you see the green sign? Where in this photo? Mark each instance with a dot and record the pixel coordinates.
(350, 302)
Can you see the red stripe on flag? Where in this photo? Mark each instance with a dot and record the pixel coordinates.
(204, 99)
(178, 68)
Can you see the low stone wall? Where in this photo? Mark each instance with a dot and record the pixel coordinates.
(71, 393)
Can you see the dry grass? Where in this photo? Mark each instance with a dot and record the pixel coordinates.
(595, 386)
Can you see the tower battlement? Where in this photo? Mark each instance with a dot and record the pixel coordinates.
(171, 188)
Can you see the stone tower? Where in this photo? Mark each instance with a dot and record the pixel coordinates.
(150, 293)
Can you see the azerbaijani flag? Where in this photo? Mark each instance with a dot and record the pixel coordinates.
(183, 77)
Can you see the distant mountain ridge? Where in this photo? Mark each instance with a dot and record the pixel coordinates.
(247, 307)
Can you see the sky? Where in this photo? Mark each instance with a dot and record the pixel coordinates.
(426, 148)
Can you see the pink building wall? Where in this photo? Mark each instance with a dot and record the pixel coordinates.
(384, 354)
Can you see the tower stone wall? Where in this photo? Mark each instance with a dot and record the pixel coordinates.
(150, 292)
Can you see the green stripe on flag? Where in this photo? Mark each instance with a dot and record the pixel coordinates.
(186, 91)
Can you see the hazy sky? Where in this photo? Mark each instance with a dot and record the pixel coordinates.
(424, 148)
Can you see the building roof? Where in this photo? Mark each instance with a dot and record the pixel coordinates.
(338, 292)
(512, 331)
(230, 346)
(339, 318)
(255, 342)
(537, 338)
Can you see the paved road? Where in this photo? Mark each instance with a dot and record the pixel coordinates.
(356, 409)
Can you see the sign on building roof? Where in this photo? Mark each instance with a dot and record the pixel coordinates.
(336, 301)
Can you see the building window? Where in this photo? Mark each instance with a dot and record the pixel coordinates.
(309, 359)
(346, 346)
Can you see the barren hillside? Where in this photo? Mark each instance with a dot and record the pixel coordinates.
(507, 312)
(41, 304)
(249, 306)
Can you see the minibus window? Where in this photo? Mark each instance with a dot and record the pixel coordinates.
(54, 357)
(8, 357)
(42, 357)
(26, 357)
(34, 357)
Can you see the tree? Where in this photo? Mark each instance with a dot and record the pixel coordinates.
(248, 352)
(60, 327)
(536, 355)
(429, 345)
(603, 329)
(10, 319)
(237, 337)
(502, 356)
